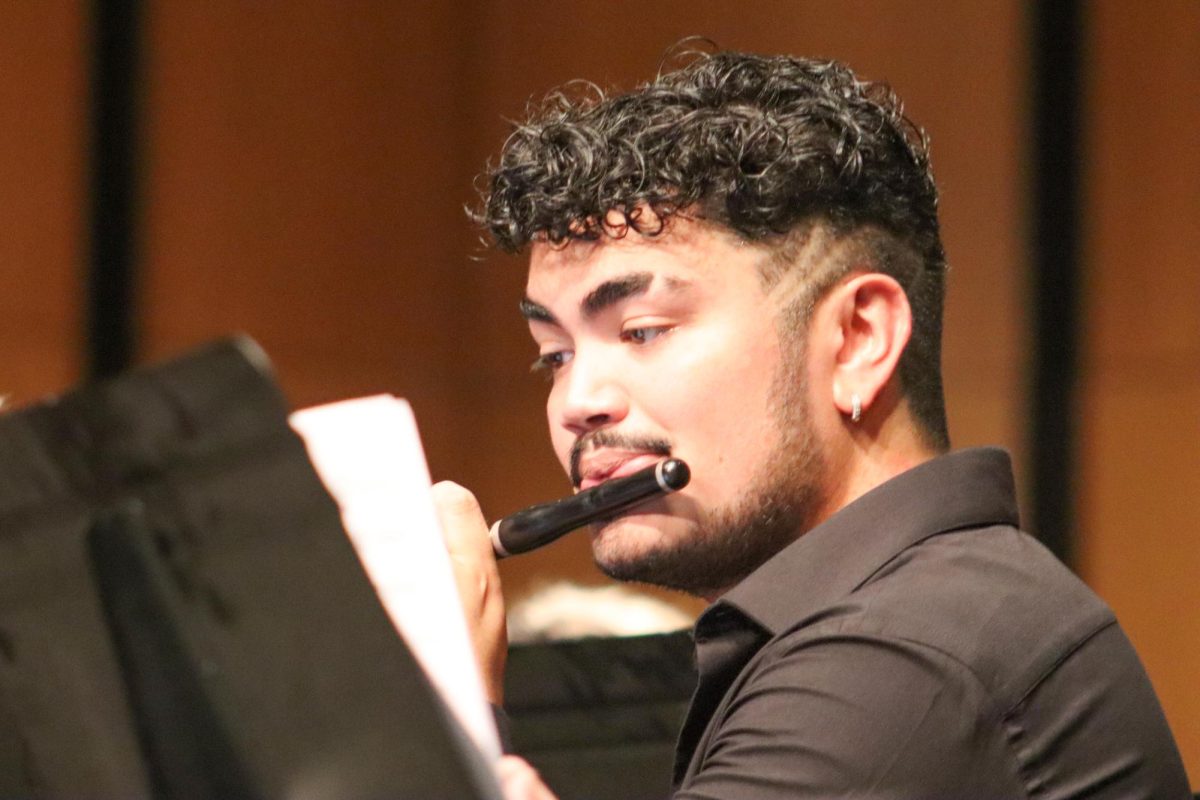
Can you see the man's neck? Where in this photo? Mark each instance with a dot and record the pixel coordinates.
(869, 458)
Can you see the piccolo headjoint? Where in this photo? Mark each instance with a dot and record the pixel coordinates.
(539, 525)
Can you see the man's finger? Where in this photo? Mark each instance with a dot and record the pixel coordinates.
(462, 521)
(521, 781)
(478, 580)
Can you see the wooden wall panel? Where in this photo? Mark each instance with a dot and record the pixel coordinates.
(43, 83)
(1140, 434)
(303, 184)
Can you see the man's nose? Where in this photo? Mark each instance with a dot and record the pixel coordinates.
(593, 396)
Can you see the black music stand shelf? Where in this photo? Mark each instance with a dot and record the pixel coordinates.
(182, 616)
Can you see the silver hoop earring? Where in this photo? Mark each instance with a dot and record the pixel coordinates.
(855, 407)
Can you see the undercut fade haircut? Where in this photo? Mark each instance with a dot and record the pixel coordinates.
(765, 146)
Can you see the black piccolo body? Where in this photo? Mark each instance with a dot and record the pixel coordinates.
(539, 525)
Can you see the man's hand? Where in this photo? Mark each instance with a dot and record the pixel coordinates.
(478, 579)
(521, 781)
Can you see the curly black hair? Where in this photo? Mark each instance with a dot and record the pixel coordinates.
(765, 146)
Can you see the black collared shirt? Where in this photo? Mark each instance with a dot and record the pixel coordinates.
(918, 645)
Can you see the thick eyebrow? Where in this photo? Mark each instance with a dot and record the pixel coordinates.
(612, 292)
(603, 296)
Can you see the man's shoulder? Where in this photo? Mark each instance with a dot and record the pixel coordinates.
(991, 600)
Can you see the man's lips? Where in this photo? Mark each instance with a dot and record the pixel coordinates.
(604, 448)
(607, 464)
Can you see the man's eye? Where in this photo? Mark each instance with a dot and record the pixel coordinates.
(644, 335)
(550, 362)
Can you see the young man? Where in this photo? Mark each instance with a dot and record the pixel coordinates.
(739, 265)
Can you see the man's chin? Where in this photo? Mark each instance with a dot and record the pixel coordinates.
(685, 555)
(612, 537)
(623, 543)
(635, 550)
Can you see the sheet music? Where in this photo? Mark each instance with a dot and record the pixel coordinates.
(368, 453)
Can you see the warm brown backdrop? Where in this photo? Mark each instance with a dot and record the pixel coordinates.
(43, 96)
(306, 163)
(1140, 438)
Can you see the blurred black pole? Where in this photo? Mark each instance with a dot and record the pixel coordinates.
(1057, 39)
(113, 196)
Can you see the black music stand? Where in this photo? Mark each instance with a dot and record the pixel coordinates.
(181, 614)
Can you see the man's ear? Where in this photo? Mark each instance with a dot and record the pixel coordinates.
(875, 322)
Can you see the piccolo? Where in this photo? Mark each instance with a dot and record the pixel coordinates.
(539, 525)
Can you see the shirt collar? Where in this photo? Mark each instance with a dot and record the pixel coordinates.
(968, 488)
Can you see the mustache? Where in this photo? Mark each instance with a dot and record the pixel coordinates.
(594, 440)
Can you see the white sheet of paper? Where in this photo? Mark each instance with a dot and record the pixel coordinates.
(368, 453)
